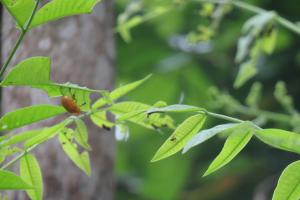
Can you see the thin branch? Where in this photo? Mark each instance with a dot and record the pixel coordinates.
(246, 6)
(20, 39)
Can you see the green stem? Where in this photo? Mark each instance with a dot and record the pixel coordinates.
(21, 155)
(243, 5)
(220, 116)
(276, 117)
(20, 39)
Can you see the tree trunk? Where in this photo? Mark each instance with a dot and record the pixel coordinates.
(82, 52)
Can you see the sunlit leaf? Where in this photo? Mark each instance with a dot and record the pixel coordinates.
(21, 10)
(120, 92)
(82, 160)
(81, 134)
(233, 145)
(10, 181)
(288, 187)
(57, 9)
(206, 134)
(281, 139)
(31, 71)
(29, 115)
(100, 119)
(45, 134)
(35, 72)
(154, 120)
(31, 173)
(185, 131)
(21, 137)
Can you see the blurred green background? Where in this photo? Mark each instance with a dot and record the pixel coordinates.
(179, 71)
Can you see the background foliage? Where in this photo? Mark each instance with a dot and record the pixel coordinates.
(157, 47)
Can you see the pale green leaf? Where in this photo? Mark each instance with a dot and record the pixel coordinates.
(100, 119)
(205, 135)
(35, 72)
(247, 71)
(185, 131)
(288, 187)
(21, 10)
(259, 22)
(31, 173)
(10, 181)
(81, 134)
(57, 9)
(281, 139)
(269, 41)
(29, 115)
(233, 145)
(119, 92)
(32, 71)
(45, 134)
(82, 161)
(21, 137)
(243, 48)
(154, 120)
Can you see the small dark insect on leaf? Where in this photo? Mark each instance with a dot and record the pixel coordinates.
(70, 105)
(106, 127)
(63, 143)
(173, 139)
(154, 126)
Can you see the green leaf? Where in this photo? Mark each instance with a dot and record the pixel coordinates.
(259, 22)
(120, 92)
(29, 72)
(29, 115)
(176, 108)
(31, 173)
(82, 161)
(288, 187)
(243, 48)
(281, 139)
(154, 120)
(233, 145)
(21, 137)
(247, 71)
(206, 134)
(57, 9)
(21, 10)
(35, 72)
(45, 134)
(81, 134)
(100, 119)
(10, 181)
(185, 131)
(269, 41)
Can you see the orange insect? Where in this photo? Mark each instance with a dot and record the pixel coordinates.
(70, 105)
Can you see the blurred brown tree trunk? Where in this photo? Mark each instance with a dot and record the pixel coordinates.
(82, 52)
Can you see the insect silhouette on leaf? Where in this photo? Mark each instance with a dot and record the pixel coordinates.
(173, 139)
(70, 105)
(69, 102)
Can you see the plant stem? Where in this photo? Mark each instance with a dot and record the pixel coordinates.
(276, 117)
(220, 116)
(20, 39)
(7, 165)
(246, 6)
